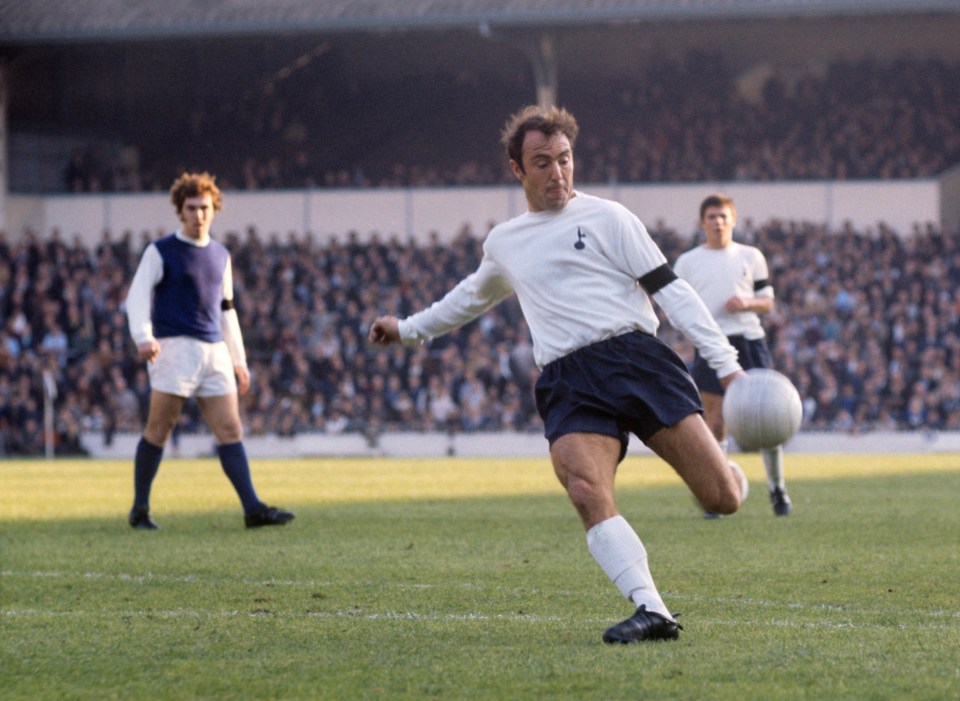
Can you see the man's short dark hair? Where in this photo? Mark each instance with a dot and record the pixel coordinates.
(548, 120)
(716, 200)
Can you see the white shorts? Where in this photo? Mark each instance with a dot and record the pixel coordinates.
(188, 367)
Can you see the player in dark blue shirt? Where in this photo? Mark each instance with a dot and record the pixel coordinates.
(181, 316)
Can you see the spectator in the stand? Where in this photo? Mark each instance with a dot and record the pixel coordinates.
(818, 125)
(76, 173)
(123, 402)
(874, 315)
(54, 341)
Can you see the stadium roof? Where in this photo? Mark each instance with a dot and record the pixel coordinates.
(40, 21)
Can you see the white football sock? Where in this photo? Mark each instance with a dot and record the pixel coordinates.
(773, 463)
(617, 549)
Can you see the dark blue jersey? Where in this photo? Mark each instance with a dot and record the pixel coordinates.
(187, 300)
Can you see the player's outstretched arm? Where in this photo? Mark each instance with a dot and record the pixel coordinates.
(384, 331)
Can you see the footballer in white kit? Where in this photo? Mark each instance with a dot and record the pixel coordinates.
(734, 281)
(584, 270)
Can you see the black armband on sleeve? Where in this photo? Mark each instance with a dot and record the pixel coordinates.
(657, 279)
(226, 305)
(760, 284)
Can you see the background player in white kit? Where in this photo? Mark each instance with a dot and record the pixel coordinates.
(181, 316)
(734, 282)
(584, 269)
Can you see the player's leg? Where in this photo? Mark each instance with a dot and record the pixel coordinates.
(587, 440)
(756, 354)
(586, 465)
(691, 449)
(773, 464)
(164, 411)
(711, 396)
(222, 414)
(713, 416)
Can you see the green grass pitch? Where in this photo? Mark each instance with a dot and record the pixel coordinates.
(470, 579)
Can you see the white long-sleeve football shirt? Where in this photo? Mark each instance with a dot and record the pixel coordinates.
(575, 273)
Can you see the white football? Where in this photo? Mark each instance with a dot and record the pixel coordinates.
(762, 409)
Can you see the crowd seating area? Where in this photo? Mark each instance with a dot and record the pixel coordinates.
(677, 121)
(870, 347)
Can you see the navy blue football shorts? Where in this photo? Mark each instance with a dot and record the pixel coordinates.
(634, 383)
(753, 354)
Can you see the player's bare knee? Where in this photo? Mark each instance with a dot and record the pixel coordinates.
(228, 436)
(580, 491)
(730, 503)
(721, 503)
(584, 494)
(158, 432)
(724, 498)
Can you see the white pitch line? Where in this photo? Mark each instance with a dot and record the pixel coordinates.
(413, 617)
(669, 596)
(383, 616)
(831, 608)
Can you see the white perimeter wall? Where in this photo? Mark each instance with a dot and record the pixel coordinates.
(492, 445)
(419, 212)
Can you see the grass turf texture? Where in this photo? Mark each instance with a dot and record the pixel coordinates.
(470, 579)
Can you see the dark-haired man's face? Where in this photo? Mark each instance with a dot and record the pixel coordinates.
(718, 223)
(547, 172)
(197, 215)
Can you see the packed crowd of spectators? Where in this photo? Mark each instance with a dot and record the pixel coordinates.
(679, 120)
(869, 346)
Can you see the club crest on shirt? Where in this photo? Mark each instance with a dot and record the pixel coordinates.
(579, 245)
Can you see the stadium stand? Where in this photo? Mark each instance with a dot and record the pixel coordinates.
(312, 95)
(869, 347)
(349, 94)
(858, 120)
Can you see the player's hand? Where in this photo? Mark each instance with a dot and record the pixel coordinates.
(243, 378)
(727, 380)
(736, 304)
(384, 331)
(149, 350)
